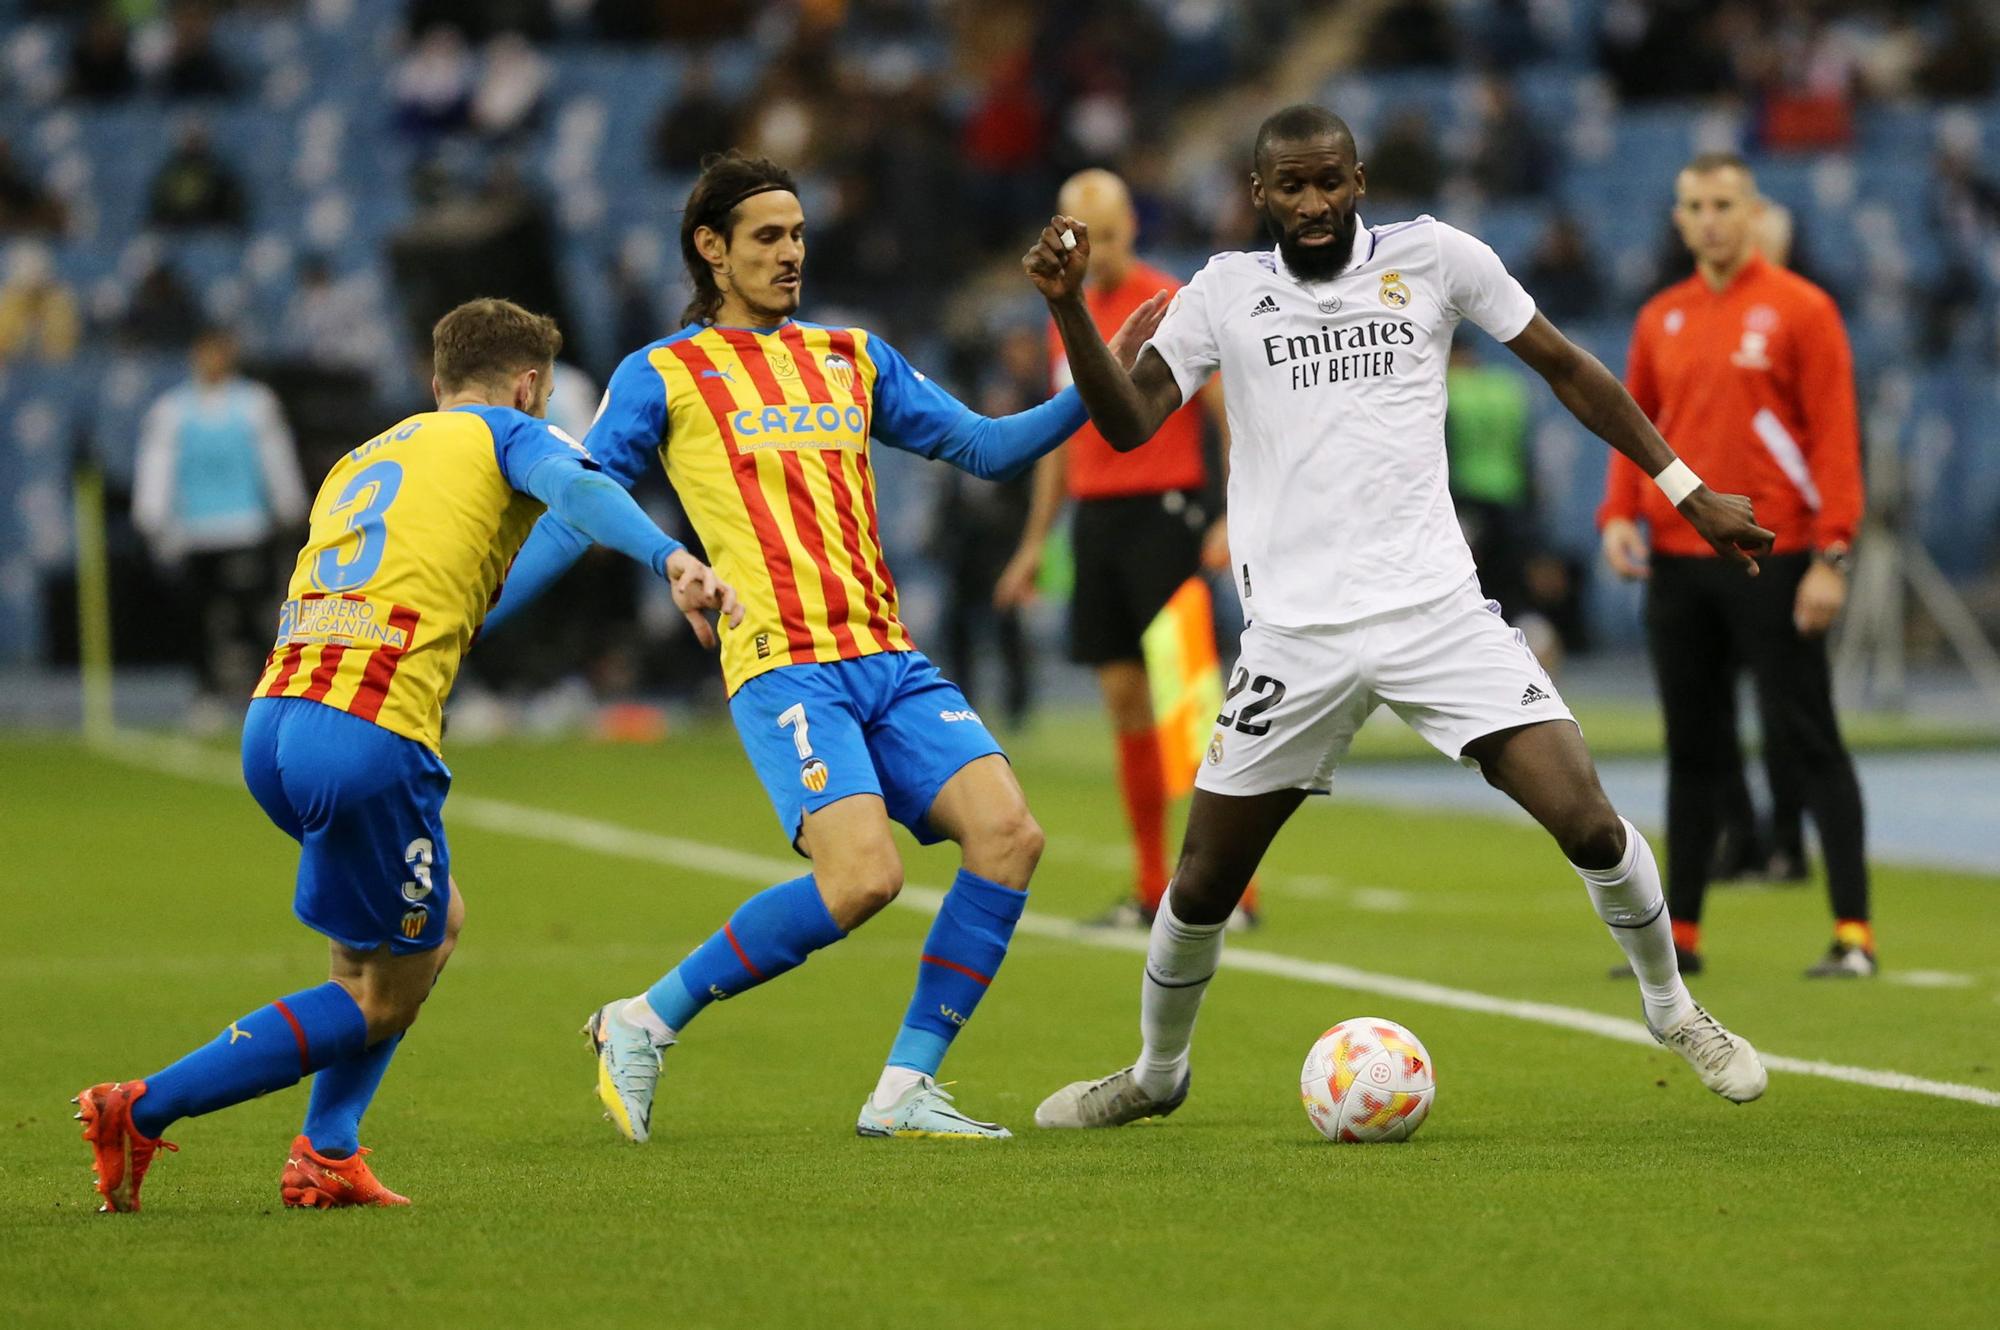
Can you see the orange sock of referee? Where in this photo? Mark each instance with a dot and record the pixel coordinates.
(1142, 780)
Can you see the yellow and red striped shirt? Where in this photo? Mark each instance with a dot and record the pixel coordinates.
(408, 540)
(765, 437)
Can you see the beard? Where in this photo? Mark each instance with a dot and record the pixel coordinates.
(1315, 263)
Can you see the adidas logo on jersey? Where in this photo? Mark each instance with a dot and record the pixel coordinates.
(1533, 695)
(1265, 306)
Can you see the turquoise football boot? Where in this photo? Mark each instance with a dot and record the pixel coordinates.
(925, 1110)
(628, 1070)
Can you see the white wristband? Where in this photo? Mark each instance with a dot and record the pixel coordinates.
(1677, 481)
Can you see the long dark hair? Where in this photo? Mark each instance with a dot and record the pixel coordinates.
(726, 180)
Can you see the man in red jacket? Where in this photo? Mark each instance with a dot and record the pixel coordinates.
(1745, 369)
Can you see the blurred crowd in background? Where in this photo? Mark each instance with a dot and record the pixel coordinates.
(226, 229)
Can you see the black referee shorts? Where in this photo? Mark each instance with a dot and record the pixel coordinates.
(1132, 554)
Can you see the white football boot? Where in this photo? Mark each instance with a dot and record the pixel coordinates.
(1109, 1101)
(1725, 1062)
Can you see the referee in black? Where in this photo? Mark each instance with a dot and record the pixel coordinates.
(1143, 528)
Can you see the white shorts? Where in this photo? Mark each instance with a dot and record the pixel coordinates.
(1453, 669)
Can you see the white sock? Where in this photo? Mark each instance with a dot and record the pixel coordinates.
(640, 1012)
(895, 1083)
(1629, 901)
(1180, 960)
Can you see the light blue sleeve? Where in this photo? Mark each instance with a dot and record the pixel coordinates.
(551, 548)
(916, 415)
(631, 423)
(598, 509)
(521, 442)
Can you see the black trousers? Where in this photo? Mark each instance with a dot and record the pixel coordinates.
(972, 569)
(234, 597)
(1705, 620)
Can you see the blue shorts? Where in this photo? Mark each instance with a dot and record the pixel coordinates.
(367, 809)
(887, 724)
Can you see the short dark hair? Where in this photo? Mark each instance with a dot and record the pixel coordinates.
(726, 180)
(1722, 160)
(1301, 120)
(486, 342)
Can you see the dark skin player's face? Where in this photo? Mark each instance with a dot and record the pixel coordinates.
(1307, 190)
(760, 267)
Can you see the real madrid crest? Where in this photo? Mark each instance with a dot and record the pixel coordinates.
(1395, 292)
(1215, 750)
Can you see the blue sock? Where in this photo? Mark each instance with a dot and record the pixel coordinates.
(269, 1049)
(961, 955)
(340, 1095)
(772, 932)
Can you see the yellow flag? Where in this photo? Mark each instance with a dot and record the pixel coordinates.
(1185, 679)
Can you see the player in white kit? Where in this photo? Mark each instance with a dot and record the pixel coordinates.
(1357, 585)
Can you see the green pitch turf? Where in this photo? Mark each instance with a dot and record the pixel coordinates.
(1564, 1179)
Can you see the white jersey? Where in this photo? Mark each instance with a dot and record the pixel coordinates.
(1339, 507)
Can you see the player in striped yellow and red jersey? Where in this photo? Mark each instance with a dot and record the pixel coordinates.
(764, 424)
(408, 540)
(771, 455)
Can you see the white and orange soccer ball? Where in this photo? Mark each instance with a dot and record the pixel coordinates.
(1367, 1080)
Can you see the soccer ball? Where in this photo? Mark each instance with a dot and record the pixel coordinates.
(1367, 1080)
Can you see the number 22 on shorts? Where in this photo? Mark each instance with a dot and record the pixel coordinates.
(1269, 692)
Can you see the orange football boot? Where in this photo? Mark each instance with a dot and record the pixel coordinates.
(120, 1156)
(312, 1181)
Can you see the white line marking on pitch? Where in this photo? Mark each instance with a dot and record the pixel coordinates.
(178, 758)
(1306, 886)
(1928, 979)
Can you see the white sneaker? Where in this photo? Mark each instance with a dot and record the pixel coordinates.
(1109, 1101)
(1725, 1062)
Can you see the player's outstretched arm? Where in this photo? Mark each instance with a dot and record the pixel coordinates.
(1600, 403)
(630, 426)
(598, 509)
(551, 549)
(916, 415)
(1127, 406)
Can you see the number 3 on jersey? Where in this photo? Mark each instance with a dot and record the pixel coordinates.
(364, 502)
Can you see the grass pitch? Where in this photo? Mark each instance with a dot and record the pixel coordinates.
(1563, 1179)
